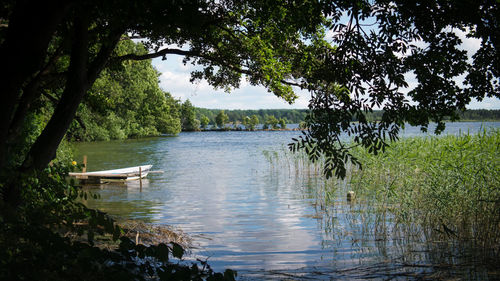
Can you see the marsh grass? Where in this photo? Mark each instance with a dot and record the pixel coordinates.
(442, 190)
(448, 186)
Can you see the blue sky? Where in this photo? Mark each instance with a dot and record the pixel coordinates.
(175, 80)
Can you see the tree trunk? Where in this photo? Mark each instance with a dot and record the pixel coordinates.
(44, 148)
(31, 27)
(81, 75)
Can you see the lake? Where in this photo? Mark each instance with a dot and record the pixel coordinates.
(220, 188)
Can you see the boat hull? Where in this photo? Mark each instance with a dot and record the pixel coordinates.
(115, 175)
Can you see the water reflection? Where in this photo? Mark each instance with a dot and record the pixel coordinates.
(260, 217)
(126, 198)
(361, 241)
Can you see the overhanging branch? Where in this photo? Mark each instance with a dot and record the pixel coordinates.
(220, 61)
(160, 53)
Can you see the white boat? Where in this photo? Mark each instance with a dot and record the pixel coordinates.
(124, 174)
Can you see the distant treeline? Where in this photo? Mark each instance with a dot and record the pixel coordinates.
(480, 115)
(468, 115)
(293, 116)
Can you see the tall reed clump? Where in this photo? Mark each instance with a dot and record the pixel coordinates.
(448, 186)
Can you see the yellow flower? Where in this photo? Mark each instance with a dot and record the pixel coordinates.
(74, 163)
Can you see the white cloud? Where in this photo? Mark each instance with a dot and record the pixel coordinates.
(175, 77)
(486, 103)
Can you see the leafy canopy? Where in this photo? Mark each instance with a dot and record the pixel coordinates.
(221, 119)
(78, 43)
(377, 46)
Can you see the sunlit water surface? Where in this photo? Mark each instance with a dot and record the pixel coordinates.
(242, 214)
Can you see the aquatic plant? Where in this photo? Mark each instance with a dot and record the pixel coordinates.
(443, 188)
(449, 185)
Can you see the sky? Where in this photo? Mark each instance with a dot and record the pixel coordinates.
(175, 80)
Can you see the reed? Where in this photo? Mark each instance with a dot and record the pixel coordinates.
(449, 185)
(444, 188)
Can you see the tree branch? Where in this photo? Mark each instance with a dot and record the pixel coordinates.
(169, 51)
(160, 53)
(34, 22)
(104, 54)
(51, 98)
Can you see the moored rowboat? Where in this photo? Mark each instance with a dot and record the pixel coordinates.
(124, 174)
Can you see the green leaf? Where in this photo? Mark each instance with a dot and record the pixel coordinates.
(116, 233)
(230, 275)
(162, 251)
(177, 250)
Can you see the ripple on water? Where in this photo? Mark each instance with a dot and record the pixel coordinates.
(219, 188)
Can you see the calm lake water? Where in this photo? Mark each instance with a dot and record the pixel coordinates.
(242, 214)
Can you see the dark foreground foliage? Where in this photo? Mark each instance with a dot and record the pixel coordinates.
(51, 236)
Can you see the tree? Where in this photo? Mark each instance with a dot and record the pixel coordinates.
(282, 122)
(226, 40)
(188, 117)
(271, 121)
(375, 51)
(254, 121)
(204, 121)
(292, 115)
(124, 102)
(246, 122)
(250, 122)
(274, 44)
(221, 119)
(56, 50)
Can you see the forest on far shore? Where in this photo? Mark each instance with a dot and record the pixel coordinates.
(295, 116)
(196, 119)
